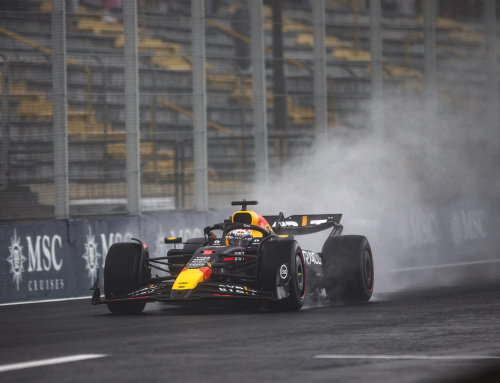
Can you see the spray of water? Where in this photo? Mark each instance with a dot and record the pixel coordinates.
(378, 183)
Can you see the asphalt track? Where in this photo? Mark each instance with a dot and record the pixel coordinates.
(172, 344)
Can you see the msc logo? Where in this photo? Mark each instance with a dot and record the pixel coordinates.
(41, 258)
(468, 225)
(16, 259)
(91, 256)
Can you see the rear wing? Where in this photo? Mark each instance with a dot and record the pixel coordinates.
(302, 224)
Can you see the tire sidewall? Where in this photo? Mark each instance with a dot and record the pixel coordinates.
(295, 294)
(367, 252)
(363, 289)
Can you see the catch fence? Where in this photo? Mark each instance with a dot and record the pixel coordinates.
(200, 127)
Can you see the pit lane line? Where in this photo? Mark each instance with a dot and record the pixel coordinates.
(410, 357)
(48, 362)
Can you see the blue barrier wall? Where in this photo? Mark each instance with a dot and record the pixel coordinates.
(61, 259)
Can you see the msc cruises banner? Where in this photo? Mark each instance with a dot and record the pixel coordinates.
(61, 259)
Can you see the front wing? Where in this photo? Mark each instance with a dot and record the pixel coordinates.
(162, 292)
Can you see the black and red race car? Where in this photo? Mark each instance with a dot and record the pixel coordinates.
(248, 256)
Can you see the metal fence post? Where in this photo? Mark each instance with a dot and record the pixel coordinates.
(377, 112)
(490, 32)
(280, 112)
(320, 77)
(4, 127)
(430, 57)
(199, 105)
(259, 91)
(59, 96)
(132, 108)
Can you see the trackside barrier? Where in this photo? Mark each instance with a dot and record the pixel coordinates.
(60, 259)
(435, 245)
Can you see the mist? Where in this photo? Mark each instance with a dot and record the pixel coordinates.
(394, 188)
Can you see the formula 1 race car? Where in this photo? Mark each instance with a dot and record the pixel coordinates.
(248, 256)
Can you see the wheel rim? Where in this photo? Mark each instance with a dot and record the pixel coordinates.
(368, 270)
(300, 275)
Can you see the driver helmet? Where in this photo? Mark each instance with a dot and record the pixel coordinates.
(240, 237)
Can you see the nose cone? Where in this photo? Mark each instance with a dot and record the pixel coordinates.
(187, 280)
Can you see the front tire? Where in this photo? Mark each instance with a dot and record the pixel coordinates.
(123, 274)
(275, 254)
(348, 269)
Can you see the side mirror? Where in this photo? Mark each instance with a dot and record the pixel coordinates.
(173, 240)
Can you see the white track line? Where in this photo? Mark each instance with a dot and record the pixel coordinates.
(442, 266)
(44, 301)
(410, 357)
(48, 362)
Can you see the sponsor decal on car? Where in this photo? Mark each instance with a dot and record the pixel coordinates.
(283, 271)
(311, 257)
(198, 262)
(143, 291)
(237, 289)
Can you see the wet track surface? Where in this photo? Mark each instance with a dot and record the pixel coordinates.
(171, 344)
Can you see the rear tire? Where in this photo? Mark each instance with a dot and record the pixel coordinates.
(274, 255)
(348, 269)
(123, 275)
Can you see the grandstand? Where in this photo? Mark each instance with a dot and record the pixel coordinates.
(96, 107)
